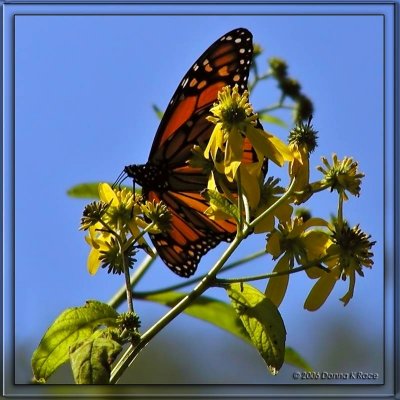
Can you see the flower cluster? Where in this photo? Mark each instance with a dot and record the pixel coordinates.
(235, 159)
(326, 251)
(116, 225)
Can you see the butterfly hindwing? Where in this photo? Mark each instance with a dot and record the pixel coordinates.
(192, 233)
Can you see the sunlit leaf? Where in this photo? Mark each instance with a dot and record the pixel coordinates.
(219, 203)
(85, 191)
(70, 327)
(262, 321)
(91, 190)
(207, 309)
(271, 119)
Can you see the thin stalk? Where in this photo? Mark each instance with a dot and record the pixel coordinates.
(119, 297)
(340, 211)
(246, 209)
(251, 257)
(128, 290)
(273, 206)
(224, 282)
(204, 284)
(240, 201)
(135, 239)
(312, 188)
(257, 79)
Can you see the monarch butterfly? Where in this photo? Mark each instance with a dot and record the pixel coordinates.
(167, 176)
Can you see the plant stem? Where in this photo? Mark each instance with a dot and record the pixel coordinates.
(240, 200)
(340, 210)
(204, 284)
(119, 297)
(251, 257)
(257, 79)
(225, 282)
(135, 239)
(128, 290)
(273, 206)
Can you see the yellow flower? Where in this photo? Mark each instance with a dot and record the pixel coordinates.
(342, 176)
(348, 252)
(120, 212)
(231, 114)
(234, 120)
(295, 241)
(159, 214)
(117, 214)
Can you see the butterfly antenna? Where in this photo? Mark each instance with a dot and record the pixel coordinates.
(121, 177)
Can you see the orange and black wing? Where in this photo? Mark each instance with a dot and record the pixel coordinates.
(184, 124)
(191, 235)
(225, 62)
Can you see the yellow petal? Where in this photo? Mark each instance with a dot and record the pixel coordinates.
(300, 169)
(349, 295)
(316, 244)
(107, 194)
(320, 291)
(266, 224)
(283, 212)
(135, 233)
(270, 146)
(277, 285)
(93, 262)
(302, 227)
(233, 153)
(274, 245)
(251, 186)
(216, 142)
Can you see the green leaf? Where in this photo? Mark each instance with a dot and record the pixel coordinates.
(294, 358)
(158, 111)
(272, 120)
(222, 315)
(91, 360)
(220, 202)
(91, 190)
(70, 327)
(207, 309)
(85, 191)
(262, 321)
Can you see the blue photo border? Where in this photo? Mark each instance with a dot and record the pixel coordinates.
(389, 10)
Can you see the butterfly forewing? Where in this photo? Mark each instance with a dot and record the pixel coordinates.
(225, 62)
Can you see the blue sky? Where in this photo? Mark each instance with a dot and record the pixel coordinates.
(84, 90)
